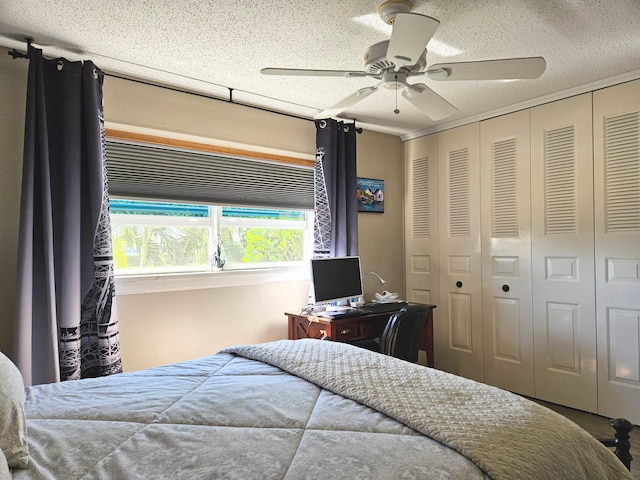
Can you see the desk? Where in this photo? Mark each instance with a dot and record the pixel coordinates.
(354, 324)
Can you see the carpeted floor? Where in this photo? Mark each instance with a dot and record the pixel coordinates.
(599, 427)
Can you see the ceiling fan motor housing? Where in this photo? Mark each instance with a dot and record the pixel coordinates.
(376, 62)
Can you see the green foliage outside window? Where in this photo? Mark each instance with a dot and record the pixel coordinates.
(159, 246)
(259, 245)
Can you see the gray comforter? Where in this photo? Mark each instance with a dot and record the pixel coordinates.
(235, 417)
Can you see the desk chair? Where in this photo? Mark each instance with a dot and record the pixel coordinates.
(401, 336)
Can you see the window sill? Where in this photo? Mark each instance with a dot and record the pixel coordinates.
(139, 284)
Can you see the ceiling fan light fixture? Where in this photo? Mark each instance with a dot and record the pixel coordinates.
(389, 9)
(394, 80)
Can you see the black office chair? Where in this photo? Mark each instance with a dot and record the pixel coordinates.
(401, 336)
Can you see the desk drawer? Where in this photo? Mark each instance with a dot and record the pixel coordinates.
(346, 331)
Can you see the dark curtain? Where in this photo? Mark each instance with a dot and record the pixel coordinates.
(336, 206)
(66, 327)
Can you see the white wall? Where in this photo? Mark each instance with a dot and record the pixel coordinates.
(380, 235)
(159, 328)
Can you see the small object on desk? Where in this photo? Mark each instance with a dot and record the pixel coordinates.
(385, 297)
(357, 302)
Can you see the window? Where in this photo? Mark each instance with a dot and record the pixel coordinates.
(164, 237)
(211, 205)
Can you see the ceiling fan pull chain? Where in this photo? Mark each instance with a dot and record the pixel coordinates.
(396, 111)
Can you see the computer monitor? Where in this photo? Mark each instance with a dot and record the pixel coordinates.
(334, 279)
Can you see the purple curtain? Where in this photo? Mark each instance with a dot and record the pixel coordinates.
(336, 205)
(66, 327)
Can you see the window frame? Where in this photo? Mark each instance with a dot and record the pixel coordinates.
(141, 284)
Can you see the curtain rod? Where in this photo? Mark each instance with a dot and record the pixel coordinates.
(211, 97)
(204, 95)
(16, 54)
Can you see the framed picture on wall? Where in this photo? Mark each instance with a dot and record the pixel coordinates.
(370, 194)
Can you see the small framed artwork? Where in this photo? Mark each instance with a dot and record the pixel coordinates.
(370, 195)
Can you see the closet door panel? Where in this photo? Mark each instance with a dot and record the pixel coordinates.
(617, 214)
(459, 337)
(506, 252)
(563, 253)
(421, 220)
(421, 224)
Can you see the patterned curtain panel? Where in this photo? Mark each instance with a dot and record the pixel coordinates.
(66, 325)
(336, 206)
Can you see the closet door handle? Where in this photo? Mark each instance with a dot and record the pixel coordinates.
(459, 284)
(505, 288)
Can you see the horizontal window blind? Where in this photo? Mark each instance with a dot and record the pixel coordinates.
(157, 172)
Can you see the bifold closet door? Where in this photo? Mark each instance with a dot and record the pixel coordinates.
(563, 253)
(421, 225)
(459, 333)
(421, 219)
(617, 200)
(506, 252)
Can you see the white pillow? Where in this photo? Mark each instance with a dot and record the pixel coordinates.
(13, 422)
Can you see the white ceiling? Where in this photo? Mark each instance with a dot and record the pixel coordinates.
(213, 45)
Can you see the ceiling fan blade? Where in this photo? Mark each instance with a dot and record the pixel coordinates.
(411, 33)
(504, 69)
(428, 102)
(347, 102)
(312, 73)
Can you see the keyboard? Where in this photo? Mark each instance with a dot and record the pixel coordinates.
(383, 307)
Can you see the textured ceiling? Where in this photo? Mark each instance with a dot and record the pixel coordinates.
(210, 46)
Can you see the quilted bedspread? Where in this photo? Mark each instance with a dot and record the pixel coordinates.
(301, 409)
(507, 436)
(221, 417)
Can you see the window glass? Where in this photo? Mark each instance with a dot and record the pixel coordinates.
(163, 237)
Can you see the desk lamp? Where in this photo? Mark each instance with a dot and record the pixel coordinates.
(380, 279)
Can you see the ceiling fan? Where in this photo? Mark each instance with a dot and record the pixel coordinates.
(403, 56)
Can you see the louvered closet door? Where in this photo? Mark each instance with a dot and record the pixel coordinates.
(617, 200)
(421, 219)
(460, 341)
(563, 253)
(506, 252)
(421, 224)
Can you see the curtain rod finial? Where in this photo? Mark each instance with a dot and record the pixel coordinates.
(16, 54)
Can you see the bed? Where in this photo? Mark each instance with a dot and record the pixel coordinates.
(295, 409)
